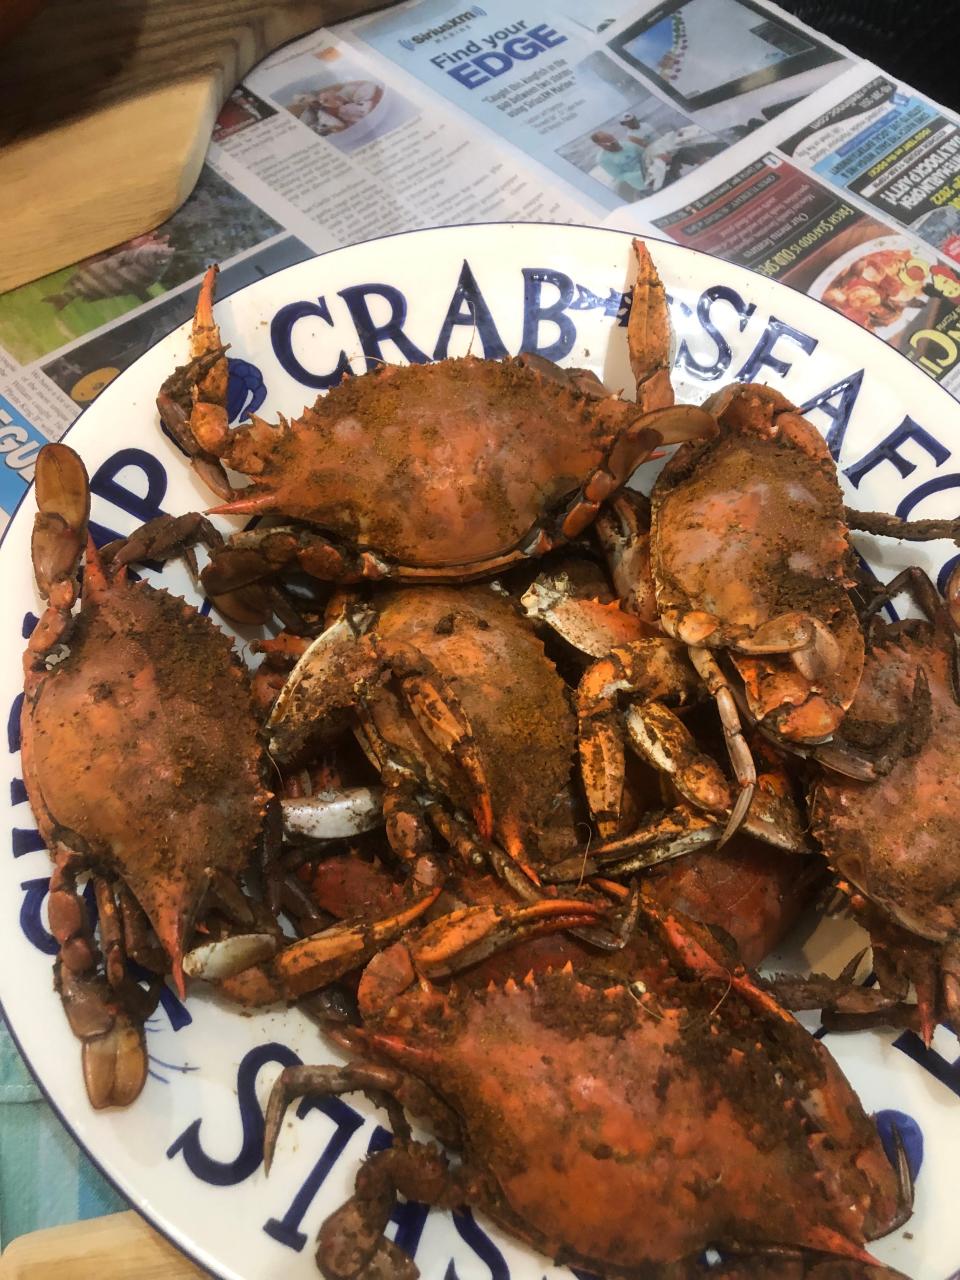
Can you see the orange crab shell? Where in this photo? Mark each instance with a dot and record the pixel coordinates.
(517, 706)
(749, 527)
(472, 453)
(141, 752)
(617, 1130)
(896, 839)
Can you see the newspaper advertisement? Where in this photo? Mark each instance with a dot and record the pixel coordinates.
(784, 224)
(897, 152)
(723, 124)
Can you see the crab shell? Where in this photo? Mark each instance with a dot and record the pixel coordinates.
(472, 454)
(751, 891)
(896, 839)
(517, 707)
(747, 529)
(616, 1130)
(140, 751)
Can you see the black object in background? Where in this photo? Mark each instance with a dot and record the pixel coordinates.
(912, 41)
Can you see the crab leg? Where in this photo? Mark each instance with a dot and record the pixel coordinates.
(917, 584)
(659, 838)
(113, 1049)
(351, 1241)
(139, 941)
(890, 526)
(111, 933)
(59, 534)
(465, 937)
(102, 1015)
(648, 334)
(740, 758)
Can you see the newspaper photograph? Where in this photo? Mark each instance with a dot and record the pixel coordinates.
(544, 83)
(733, 62)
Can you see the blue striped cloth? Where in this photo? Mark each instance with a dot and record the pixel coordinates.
(44, 1177)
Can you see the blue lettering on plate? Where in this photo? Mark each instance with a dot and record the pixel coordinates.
(705, 306)
(227, 1173)
(26, 840)
(106, 483)
(31, 918)
(939, 484)
(373, 335)
(845, 392)
(947, 1073)
(764, 356)
(890, 1125)
(536, 312)
(474, 1235)
(286, 1230)
(246, 390)
(943, 577)
(888, 450)
(13, 723)
(469, 307)
(281, 338)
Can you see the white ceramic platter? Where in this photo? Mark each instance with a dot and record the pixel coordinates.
(187, 1154)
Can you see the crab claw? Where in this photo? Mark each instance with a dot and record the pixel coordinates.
(648, 334)
(59, 527)
(115, 1064)
(192, 401)
(327, 955)
(463, 938)
(228, 956)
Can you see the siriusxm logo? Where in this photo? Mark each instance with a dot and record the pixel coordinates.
(444, 28)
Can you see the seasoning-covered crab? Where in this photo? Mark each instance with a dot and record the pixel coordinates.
(619, 1126)
(451, 693)
(751, 558)
(894, 841)
(749, 551)
(447, 471)
(142, 764)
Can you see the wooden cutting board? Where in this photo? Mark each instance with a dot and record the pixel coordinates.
(107, 112)
(120, 1246)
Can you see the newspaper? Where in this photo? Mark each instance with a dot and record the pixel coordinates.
(722, 124)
